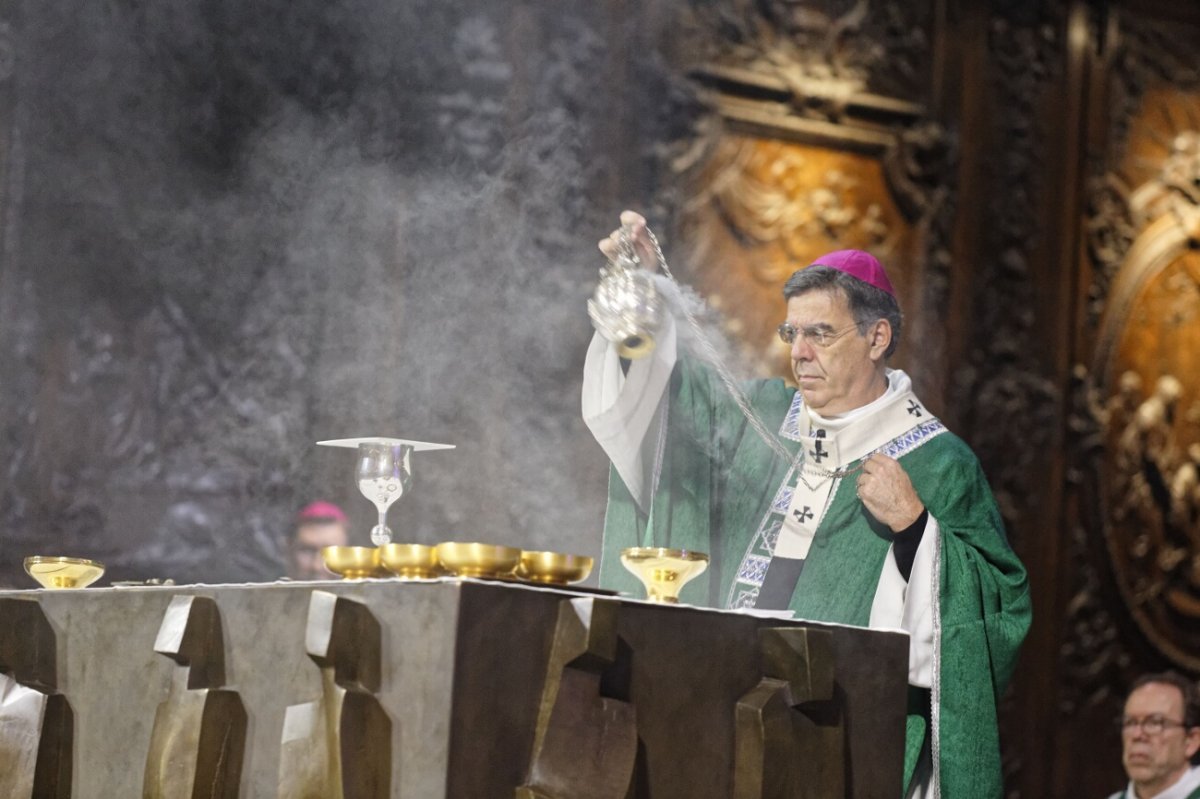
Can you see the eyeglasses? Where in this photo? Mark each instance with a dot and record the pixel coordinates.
(1151, 725)
(815, 336)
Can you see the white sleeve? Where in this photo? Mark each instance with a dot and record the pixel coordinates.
(625, 411)
(908, 604)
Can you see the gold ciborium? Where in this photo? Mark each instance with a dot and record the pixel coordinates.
(554, 568)
(409, 561)
(664, 572)
(56, 572)
(477, 560)
(352, 563)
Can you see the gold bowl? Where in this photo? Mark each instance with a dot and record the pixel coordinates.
(554, 568)
(409, 561)
(478, 560)
(352, 563)
(664, 572)
(57, 572)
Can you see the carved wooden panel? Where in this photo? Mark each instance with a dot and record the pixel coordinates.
(1147, 368)
(819, 138)
(1145, 308)
(766, 207)
(1129, 571)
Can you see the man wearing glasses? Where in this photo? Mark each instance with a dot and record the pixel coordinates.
(862, 510)
(1160, 738)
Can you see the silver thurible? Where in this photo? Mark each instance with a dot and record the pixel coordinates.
(626, 308)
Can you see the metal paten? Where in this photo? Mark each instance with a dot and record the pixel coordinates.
(626, 308)
(61, 572)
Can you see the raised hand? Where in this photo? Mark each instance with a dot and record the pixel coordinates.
(633, 226)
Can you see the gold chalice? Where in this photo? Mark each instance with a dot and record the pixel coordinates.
(409, 561)
(352, 563)
(554, 568)
(477, 560)
(664, 572)
(56, 572)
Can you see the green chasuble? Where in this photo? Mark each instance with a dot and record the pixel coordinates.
(717, 487)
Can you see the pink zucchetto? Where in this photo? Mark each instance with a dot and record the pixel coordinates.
(321, 510)
(859, 264)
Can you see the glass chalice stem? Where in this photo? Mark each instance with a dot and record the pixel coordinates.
(384, 474)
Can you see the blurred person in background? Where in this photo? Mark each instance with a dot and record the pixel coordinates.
(1160, 738)
(318, 525)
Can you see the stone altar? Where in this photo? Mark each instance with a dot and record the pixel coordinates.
(448, 687)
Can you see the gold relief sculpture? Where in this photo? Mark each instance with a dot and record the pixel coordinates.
(806, 152)
(1156, 486)
(339, 746)
(1147, 363)
(36, 722)
(585, 743)
(797, 202)
(789, 735)
(765, 207)
(199, 736)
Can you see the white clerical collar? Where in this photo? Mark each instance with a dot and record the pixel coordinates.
(849, 436)
(898, 382)
(1189, 782)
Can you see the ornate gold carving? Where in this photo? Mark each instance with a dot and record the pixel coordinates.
(823, 60)
(1146, 399)
(763, 208)
(1155, 488)
(797, 201)
(820, 140)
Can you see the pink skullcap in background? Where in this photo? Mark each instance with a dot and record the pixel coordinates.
(859, 264)
(321, 510)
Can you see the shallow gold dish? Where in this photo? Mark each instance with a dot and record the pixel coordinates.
(554, 568)
(58, 572)
(478, 560)
(352, 563)
(410, 561)
(664, 572)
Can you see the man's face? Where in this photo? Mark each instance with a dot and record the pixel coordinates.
(1155, 762)
(306, 562)
(845, 374)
